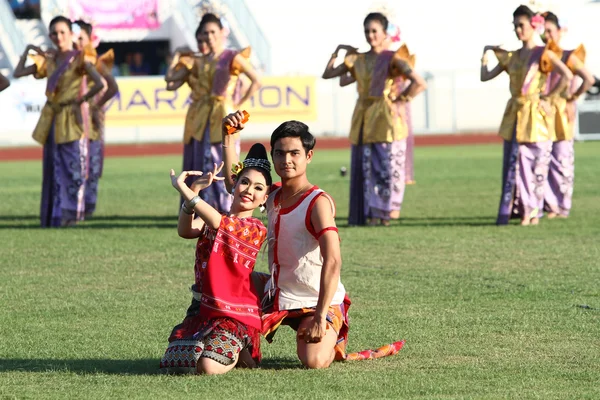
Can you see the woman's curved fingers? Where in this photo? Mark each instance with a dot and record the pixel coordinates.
(218, 168)
(194, 173)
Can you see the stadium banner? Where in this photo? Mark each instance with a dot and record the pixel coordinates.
(117, 14)
(20, 109)
(144, 101)
(145, 111)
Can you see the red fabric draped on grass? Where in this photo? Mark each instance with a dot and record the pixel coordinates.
(272, 321)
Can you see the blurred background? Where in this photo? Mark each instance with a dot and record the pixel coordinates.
(291, 43)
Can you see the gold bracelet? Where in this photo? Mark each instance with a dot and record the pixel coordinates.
(334, 55)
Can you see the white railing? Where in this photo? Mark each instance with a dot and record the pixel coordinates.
(460, 102)
(13, 42)
(185, 16)
(53, 8)
(34, 32)
(256, 38)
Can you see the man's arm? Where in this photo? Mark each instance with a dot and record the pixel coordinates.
(323, 222)
(230, 156)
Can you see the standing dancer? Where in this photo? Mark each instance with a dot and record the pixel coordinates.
(104, 64)
(528, 124)
(392, 43)
(404, 109)
(559, 186)
(379, 130)
(64, 124)
(214, 79)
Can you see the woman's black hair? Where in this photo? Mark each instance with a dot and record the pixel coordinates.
(208, 18)
(378, 17)
(523, 11)
(294, 129)
(258, 160)
(551, 17)
(84, 27)
(58, 19)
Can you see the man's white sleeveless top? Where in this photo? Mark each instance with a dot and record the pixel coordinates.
(294, 254)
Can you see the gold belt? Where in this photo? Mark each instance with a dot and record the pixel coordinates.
(57, 107)
(521, 100)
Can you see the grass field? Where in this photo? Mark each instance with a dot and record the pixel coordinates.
(487, 312)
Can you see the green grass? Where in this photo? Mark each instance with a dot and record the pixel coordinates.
(487, 312)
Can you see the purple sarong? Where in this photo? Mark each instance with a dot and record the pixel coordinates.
(410, 147)
(356, 212)
(200, 156)
(377, 180)
(524, 175)
(96, 157)
(558, 191)
(63, 181)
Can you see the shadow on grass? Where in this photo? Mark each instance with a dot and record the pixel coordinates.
(135, 217)
(96, 226)
(408, 222)
(147, 366)
(277, 363)
(19, 217)
(100, 217)
(89, 366)
(96, 222)
(108, 225)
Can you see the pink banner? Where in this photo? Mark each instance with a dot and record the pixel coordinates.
(117, 14)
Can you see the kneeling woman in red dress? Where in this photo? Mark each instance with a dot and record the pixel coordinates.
(224, 317)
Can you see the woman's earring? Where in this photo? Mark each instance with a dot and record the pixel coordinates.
(262, 208)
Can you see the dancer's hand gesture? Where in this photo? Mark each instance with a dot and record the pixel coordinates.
(31, 47)
(206, 180)
(178, 181)
(347, 48)
(492, 48)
